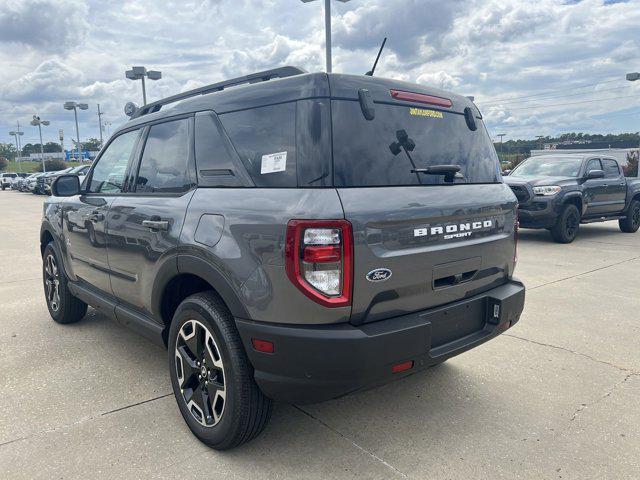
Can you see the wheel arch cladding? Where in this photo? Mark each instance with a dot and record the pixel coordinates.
(574, 200)
(194, 276)
(45, 238)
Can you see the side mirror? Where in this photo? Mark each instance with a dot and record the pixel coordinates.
(66, 186)
(595, 174)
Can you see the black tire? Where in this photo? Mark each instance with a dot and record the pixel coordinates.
(567, 225)
(245, 410)
(3, 187)
(631, 222)
(63, 306)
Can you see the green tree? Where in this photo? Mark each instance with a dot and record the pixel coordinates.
(3, 163)
(51, 165)
(51, 147)
(7, 150)
(92, 145)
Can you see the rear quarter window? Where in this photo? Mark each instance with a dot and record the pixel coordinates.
(265, 139)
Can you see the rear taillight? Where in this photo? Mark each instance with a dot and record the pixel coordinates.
(319, 260)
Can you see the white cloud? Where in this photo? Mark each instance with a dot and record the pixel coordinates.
(57, 50)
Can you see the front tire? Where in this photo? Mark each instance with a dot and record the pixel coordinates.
(631, 222)
(211, 376)
(567, 225)
(63, 306)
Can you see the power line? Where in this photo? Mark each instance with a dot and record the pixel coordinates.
(531, 107)
(563, 95)
(497, 100)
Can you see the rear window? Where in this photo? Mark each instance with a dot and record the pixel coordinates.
(362, 149)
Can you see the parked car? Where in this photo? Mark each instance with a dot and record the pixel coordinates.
(294, 238)
(51, 176)
(33, 185)
(559, 192)
(6, 179)
(16, 181)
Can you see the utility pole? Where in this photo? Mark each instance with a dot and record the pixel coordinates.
(61, 136)
(100, 124)
(501, 135)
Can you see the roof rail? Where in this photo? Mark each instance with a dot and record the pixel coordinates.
(281, 72)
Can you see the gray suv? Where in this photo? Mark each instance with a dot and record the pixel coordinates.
(289, 236)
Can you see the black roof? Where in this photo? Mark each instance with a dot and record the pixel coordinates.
(297, 86)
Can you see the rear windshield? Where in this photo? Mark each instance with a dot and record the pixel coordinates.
(368, 153)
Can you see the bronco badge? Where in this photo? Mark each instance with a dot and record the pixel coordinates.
(379, 275)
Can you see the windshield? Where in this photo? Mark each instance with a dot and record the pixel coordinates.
(383, 151)
(549, 167)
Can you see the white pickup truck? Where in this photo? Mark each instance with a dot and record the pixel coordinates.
(6, 179)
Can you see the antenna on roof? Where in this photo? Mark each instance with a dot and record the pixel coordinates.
(375, 64)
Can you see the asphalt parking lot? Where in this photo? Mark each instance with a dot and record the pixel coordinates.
(554, 397)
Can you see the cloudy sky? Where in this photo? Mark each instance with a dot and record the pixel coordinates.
(535, 68)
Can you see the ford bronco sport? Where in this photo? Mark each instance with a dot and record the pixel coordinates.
(289, 236)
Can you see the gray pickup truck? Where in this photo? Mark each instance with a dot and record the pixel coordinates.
(289, 236)
(559, 192)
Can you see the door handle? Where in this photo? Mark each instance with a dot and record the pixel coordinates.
(96, 217)
(156, 224)
(606, 185)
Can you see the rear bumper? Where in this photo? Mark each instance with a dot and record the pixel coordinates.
(317, 363)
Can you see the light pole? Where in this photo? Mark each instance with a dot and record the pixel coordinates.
(16, 134)
(501, 135)
(75, 106)
(100, 124)
(327, 28)
(107, 125)
(139, 73)
(38, 122)
(540, 137)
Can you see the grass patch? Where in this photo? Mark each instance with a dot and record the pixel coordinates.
(30, 167)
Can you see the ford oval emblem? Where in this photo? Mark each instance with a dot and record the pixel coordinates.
(379, 275)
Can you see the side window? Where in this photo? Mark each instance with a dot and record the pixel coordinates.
(265, 139)
(165, 159)
(610, 168)
(216, 161)
(594, 164)
(108, 174)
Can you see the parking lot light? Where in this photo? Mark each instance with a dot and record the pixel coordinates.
(74, 106)
(632, 77)
(37, 121)
(327, 29)
(140, 73)
(16, 134)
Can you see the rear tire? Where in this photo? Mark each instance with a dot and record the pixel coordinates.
(238, 411)
(567, 225)
(631, 222)
(63, 306)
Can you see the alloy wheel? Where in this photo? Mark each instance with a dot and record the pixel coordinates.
(200, 373)
(572, 224)
(52, 282)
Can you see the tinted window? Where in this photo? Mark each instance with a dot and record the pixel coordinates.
(108, 174)
(594, 164)
(610, 168)
(548, 166)
(165, 159)
(368, 153)
(265, 139)
(215, 155)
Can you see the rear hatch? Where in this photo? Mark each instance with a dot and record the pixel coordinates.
(420, 239)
